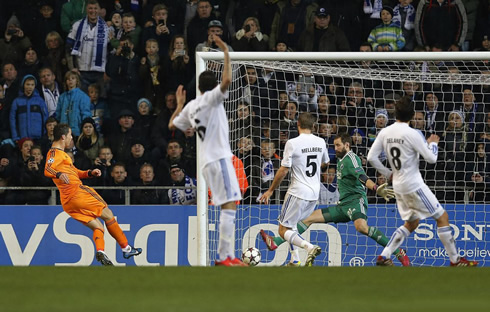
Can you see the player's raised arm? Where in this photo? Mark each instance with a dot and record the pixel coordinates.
(226, 79)
(180, 96)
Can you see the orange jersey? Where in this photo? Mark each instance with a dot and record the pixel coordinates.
(59, 162)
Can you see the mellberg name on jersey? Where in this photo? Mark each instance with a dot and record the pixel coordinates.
(312, 150)
(395, 140)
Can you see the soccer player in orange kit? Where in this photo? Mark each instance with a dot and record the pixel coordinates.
(81, 202)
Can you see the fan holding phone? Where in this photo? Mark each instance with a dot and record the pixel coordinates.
(249, 38)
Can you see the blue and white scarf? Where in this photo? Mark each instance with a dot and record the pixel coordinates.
(410, 19)
(100, 48)
(373, 7)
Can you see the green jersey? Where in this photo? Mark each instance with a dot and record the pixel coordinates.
(349, 169)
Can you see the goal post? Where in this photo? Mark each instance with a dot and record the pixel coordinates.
(307, 79)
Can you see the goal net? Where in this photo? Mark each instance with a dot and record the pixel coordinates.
(355, 93)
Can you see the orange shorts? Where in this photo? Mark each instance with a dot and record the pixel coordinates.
(85, 205)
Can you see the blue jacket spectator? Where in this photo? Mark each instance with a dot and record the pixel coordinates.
(29, 111)
(74, 104)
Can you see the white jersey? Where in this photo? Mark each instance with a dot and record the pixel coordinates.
(304, 155)
(207, 115)
(403, 146)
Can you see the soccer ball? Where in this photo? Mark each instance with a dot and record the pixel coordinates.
(251, 256)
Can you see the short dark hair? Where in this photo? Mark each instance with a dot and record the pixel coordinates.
(60, 130)
(344, 137)
(50, 120)
(207, 81)
(404, 109)
(93, 2)
(306, 120)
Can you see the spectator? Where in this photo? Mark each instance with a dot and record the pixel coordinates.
(47, 139)
(98, 108)
(434, 114)
(485, 134)
(151, 73)
(48, 89)
(473, 112)
(175, 154)
(325, 132)
(290, 113)
(104, 162)
(359, 146)
(248, 153)
(14, 43)
(129, 29)
(89, 142)
(243, 123)
(282, 46)
(254, 93)
(32, 174)
(119, 177)
(71, 12)
(404, 16)
(17, 163)
(187, 196)
(73, 105)
(477, 174)
(29, 112)
(249, 38)
(197, 30)
(388, 36)
(390, 99)
(267, 167)
(30, 64)
(55, 58)
(145, 118)
(358, 109)
(329, 190)
(148, 196)
(88, 40)
(289, 21)
(45, 24)
(381, 120)
(321, 36)
(114, 24)
(418, 122)
(160, 134)
(121, 139)
(177, 67)
(453, 148)
(215, 28)
(123, 69)
(11, 84)
(160, 30)
(441, 22)
(139, 156)
(412, 90)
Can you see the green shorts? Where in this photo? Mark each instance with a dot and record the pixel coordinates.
(349, 210)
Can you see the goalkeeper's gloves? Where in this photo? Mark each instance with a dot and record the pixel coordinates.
(385, 192)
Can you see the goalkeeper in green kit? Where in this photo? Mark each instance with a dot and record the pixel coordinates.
(352, 206)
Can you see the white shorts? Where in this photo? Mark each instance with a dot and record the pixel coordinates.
(221, 179)
(420, 204)
(295, 209)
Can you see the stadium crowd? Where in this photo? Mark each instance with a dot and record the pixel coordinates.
(110, 70)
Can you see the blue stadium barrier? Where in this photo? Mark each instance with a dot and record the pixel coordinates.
(45, 235)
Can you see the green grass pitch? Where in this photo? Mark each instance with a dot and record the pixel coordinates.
(360, 289)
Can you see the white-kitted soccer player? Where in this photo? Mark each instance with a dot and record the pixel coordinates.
(403, 145)
(207, 116)
(306, 156)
